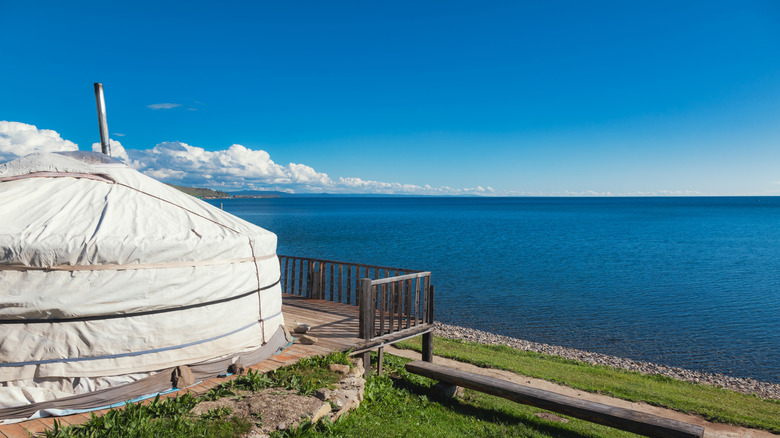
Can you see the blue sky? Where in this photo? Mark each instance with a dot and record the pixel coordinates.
(503, 98)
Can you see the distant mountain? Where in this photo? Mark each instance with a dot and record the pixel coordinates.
(258, 194)
(273, 194)
(203, 193)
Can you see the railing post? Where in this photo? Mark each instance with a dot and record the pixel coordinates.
(366, 320)
(316, 282)
(311, 280)
(366, 309)
(427, 338)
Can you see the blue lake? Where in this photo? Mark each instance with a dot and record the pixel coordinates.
(689, 282)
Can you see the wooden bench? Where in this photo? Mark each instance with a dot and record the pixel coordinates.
(619, 418)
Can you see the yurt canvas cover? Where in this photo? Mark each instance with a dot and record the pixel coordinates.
(110, 279)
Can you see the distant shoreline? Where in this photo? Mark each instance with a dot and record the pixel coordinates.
(738, 384)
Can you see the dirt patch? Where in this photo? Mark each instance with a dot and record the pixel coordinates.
(277, 409)
(268, 410)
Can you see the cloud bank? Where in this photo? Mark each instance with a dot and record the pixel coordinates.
(232, 169)
(19, 139)
(159, 106)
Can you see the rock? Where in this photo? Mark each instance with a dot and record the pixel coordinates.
(302, 328)
(338, 368)
(321, 412)
(281, 426)
(443, 391)
(236, 368)
(323, 394)
(182, 377)
(307, 340)
(350, 394)
(343, 411)
(551, 417)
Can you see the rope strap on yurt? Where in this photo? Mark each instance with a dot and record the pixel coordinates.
(93, 176)
(259, 298)
(132, 353)
(130, 315)
(138, 266)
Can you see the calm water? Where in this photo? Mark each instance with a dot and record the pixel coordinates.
(690, 282)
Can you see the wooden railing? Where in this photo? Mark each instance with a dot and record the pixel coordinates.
(330, 280)
(395, 303)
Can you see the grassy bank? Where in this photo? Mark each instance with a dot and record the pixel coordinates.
(714, 404)
(396, 404)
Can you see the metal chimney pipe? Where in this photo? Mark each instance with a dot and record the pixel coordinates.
(101, 109)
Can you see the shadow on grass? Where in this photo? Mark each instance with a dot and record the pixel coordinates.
(497, 416)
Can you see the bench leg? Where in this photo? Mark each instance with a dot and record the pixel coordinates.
(366, 364)
(380, 360)
(427, 347)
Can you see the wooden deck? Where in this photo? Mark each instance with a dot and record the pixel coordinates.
(334, 325)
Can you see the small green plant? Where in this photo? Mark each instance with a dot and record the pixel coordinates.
(217, 414)
(253, 381)
(217, 393)
(171, 418)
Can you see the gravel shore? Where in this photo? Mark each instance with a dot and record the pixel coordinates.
(744, 385)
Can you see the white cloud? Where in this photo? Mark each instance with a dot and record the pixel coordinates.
(117, 151)
(18, 139)
(234, 168)
(159, 106)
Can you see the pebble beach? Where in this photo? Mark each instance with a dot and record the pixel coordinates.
(743, 385)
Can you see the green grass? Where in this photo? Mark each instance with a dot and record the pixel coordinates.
(396, 403)
(165, 419)
(398, 406)
(714, 404)
(172, 418)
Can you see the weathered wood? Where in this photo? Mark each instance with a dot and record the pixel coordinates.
(381, 291)
(393, 309)
(300, 278)
(340, 282)
(619, 418)
(426, 296)
(332, 288)
(367, 364)
(380, 358)
(357, 285)
(292, 278)
(392, 338)
(349, 285)
(417, 282)
(286, 272)
(321, 272)
(356, 264)
(399, 299)
(366, 310)
(407, 300)
(402, 277)
(427, 347)
(431, 302)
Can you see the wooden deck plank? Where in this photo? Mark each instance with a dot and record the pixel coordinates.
(14, 431)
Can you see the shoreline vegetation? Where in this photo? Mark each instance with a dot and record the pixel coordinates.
(738, 384)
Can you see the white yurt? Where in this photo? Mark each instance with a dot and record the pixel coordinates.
(112, 282)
